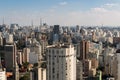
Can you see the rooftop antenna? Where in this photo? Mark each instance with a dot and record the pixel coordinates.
(40, 21)
(3, 20)
(32, 23)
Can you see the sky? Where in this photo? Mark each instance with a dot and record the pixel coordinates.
(62, 12)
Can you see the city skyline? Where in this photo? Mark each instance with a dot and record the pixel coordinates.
(62, 12)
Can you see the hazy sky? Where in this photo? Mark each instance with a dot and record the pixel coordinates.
(63, 12)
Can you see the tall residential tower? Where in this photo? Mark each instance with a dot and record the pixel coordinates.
(61, 62)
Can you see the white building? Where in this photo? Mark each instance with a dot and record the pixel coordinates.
(2, 75)
(1, 41)
(2, 72)
(35, 53)
(61, 63)
(19, 57)
(116, 65)
(9, 39)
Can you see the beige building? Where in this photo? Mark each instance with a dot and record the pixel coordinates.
(38, 74)
(19, 57)
(89, 67)
(116, 65)
(61, 63)
(94, 63)
(26, 52)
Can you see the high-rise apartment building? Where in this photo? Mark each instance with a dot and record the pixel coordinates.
(61, 62)
(56, 33)
(79, 70)
(115, 70)
(9, 39)
(10, 56)
(56, 29)
(84, 49)
(26, 52)
(10, 61)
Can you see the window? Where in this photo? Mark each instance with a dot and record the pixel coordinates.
(53, 76)
(57, 75)
(53, 51)
(57, 60)
(62, 51)
(53, 63)
(53, 70)
(49, 51)
(49, 62)
(57, 51)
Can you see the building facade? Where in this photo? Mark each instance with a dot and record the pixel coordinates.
(84, 49)
(61, 63)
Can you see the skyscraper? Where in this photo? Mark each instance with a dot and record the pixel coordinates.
(56, 33)
(61, 63)
(10, 56)
(84, 49)
(10, 61)
(56, 29)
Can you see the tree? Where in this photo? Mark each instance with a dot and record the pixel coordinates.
(25, 65)
(35, 64)
(25, 77)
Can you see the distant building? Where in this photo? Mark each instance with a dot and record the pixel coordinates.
(116, 40)
(13, 27)
(56, 32)
(56, 29)
(93, 36)
(26, 52)
(9, 39)
(77, 28)
(19, 57)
